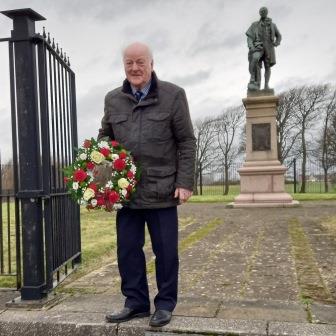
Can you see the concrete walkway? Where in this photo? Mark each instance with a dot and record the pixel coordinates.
(242, 272)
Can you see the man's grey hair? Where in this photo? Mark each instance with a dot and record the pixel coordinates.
(149, 50)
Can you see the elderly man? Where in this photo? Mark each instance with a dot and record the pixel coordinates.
(262, 37)
(150, 118)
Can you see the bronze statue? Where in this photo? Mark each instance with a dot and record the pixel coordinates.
(262, 37)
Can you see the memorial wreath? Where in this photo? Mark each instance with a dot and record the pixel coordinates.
(102, 176)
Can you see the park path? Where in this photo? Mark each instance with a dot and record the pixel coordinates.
(237, 261)
(251, 272)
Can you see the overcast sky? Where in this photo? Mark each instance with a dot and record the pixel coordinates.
(197, 44)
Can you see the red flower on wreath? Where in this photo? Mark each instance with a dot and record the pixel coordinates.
(93, 186)
(114, 143)
(79, 175)
(122, 155)
(113, 197)
(100, 199)
(90, 165)
(119, 164)
(130, 175)
(105, 151)
(87, 144)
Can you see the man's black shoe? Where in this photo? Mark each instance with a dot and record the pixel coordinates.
(160, 318)
(125, 315)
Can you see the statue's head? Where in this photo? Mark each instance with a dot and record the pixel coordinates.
(263, 11)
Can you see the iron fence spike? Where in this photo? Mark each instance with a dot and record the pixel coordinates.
(57, 50)
(53, 43)
(68, 61)
(48, 40)
(44, 33)
(61, 53)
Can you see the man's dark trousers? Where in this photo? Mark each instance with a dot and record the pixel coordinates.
(163, 229)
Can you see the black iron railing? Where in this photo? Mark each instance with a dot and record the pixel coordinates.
(211, 181)
(44, 135)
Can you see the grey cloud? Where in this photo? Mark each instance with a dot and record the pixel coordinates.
(90, 111)
(332, 74)
(291, 82)
(158, 40)
(5, 135)
(192, 79)
(101, 10)
(279, 12)
(210, 38)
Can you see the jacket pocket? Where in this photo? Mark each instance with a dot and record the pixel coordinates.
(158, 126)
(120, 126)
(162, 181)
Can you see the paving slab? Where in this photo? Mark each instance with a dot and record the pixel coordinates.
(7, 295)
(323, 313)
(195, 325)
(300, 329)
(197, 307)
(45, 323)
(90, 303)
(263, 310)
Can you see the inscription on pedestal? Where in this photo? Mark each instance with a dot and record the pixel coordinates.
(261, 137)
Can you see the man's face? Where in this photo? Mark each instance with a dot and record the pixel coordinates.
(263, 12)
(138, 66)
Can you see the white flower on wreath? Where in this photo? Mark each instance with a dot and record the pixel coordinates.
(114, 156)
(82, 202)
(133, 169)
(88, 194)
(117, 206)
(123, 192)
(103, 144)
(123, 183)
(83, 156)
(94, 202)
(109, 184)
(75, 186)
(97, 157)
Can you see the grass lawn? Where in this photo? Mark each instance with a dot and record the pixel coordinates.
(230, 197)
(311, 188)
(98, 239)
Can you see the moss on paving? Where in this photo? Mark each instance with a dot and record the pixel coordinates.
(329, 224)
(251, 262)
(309, 278)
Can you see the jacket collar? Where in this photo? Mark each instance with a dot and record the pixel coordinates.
(153, 90)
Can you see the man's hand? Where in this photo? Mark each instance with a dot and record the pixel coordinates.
(182, 194)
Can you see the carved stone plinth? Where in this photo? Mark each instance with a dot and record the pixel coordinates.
(262, 181)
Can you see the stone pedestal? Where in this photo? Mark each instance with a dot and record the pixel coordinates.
(262, 181)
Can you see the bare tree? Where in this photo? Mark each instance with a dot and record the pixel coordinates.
(309, 105)
(204, 133)
(332, 139)
(287, 126)
(327, 139)
(227, 126)
(7, 177)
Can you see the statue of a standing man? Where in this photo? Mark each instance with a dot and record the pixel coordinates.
(262, 37)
